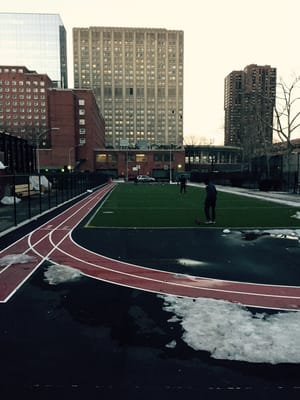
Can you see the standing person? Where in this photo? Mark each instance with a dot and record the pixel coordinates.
(210, 202)
(182, 181)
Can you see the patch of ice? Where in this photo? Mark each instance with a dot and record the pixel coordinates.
(189, 262)
(284, 233)
(16, 259)
(226, 230)
(172, 344)
(56, 274)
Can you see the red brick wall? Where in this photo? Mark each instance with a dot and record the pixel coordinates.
(116, 160)
(68, 145)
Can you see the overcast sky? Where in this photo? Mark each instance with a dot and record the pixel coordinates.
(219, 37)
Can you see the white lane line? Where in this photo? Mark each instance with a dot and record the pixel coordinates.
(167, 275)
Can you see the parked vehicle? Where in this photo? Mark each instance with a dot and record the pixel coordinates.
(144, 178)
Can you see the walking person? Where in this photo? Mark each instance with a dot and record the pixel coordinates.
(210, 202)
(182, 181)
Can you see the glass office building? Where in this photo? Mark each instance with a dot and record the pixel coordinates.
(36, 41)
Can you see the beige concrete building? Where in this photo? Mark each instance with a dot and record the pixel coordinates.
(137, 78)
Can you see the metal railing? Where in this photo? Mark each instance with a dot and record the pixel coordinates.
(24, 197)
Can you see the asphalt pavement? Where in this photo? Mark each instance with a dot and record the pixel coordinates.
(90, 339)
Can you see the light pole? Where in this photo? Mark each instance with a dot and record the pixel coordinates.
(212, 160)
(37, 141)
(298, 172)
(127, 164)
(170, 167)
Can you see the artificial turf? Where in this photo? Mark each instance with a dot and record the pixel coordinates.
(162, 205)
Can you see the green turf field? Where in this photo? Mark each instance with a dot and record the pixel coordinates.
(161, 205)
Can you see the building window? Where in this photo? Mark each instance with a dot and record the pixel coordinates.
(101, 158)
(81, 102)
(82, 122)
(141, 157)
(81, 111)
(82, 131)
(158, 157)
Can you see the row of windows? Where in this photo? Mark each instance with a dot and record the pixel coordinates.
(22, 110)
(22, 103)
(22, 90)
(22, 96)
(23, 123)
(21, 83)
(138, 157)
(22, 116)
(13, 70)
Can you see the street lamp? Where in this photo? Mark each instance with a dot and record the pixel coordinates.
(37, 139)
(127, 164)
(212, 160)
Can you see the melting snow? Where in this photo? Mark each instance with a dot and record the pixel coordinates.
(15, 259)
(297, 215)
(230, 332)
(189, 262)
(56, 274)
(172, 344)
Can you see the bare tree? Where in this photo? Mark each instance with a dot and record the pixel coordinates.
(191, 141)
(287, 115)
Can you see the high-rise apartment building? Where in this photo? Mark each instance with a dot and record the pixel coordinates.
(137, 78)
(249, 104)
(37, 41)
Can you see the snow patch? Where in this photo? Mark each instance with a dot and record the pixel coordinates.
(172, 344)
(189, 262)
(56, 274)
(10, 200)
(226, 230)
(297, 215)
(229, 331)
(16, 259)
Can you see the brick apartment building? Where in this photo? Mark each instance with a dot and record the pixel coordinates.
(23, 101)
(80, 130)
(249, 101)
(64, 124)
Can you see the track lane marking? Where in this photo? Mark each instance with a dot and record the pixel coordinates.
(160, 282)
(9, 283)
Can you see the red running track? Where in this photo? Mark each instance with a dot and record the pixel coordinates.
(53, 241)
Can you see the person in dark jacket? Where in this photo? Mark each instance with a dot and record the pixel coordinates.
(210, 202)
(182, 181)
